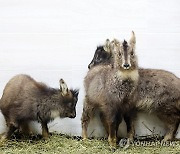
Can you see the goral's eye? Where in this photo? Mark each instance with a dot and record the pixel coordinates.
(132, 53)
(70, 104)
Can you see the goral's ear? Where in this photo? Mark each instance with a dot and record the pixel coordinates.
(63, 87)
(75, 92)
(132, 40)
(107, 45)
(114, 45)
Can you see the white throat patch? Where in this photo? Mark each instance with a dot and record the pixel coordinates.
(134, 75)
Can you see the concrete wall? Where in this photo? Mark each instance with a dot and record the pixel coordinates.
(53, 39)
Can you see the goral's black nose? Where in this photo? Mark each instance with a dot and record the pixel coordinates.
(126, 65)
(73, 115)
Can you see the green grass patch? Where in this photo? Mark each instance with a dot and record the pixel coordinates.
(58, 143)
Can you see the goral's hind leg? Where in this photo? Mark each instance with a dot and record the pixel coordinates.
(104, 122)
(25, 129)
(12, 125)
(129, 120)
(172, 123)
(87, 114)
(172, 129)
(10, 130)
(118, 121)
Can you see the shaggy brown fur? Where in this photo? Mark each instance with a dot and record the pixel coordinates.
(111, 91)
(26, 100)
(158, 93)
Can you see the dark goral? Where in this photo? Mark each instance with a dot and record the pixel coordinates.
(25, 100)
